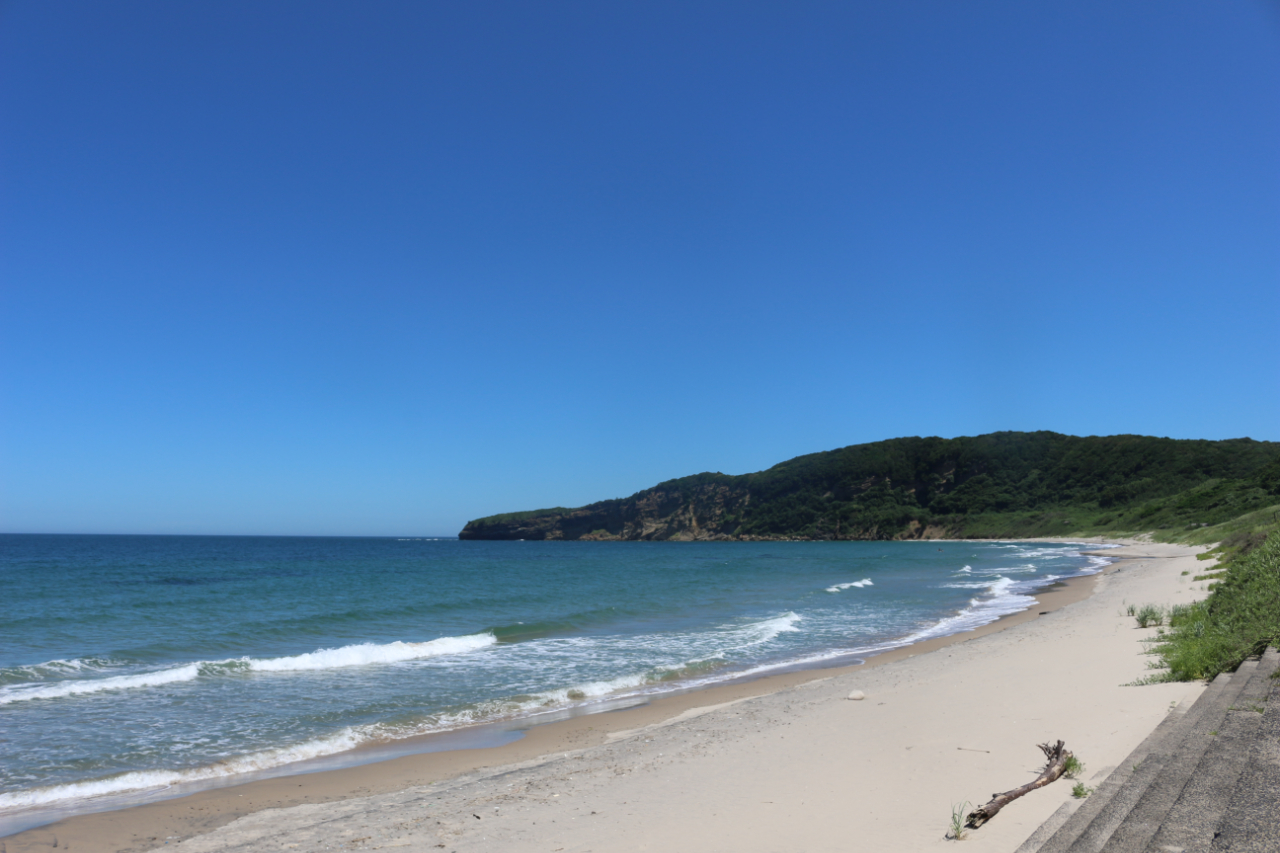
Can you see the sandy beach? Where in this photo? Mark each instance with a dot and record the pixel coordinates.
(788, 762)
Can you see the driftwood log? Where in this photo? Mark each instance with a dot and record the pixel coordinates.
(1057, 756)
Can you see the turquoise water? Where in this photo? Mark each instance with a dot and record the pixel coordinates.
(134, 663)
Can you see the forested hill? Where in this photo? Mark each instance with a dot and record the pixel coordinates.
(1002, 484)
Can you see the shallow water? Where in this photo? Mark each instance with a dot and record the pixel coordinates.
(130, 663)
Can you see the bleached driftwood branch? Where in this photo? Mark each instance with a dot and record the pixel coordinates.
(1057, 756)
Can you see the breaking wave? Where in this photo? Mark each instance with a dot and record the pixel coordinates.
(143, 780)
(649, 680)
(842, 586)
(361, 654)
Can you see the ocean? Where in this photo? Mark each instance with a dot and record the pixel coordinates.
(136, 667)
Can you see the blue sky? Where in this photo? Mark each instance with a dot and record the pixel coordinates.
(341, 268)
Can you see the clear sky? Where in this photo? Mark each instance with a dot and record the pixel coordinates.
(380, 268)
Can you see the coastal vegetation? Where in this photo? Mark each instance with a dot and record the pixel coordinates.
(1149, 615)
(1239, 619)
(957, 831)
(1006, 484)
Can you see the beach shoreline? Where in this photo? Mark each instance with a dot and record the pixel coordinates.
(198, 814)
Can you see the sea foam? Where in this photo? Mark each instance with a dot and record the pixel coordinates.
(144, 780)
(367, 653)
(51, 669)
(361, 654)
(59, 689)
(1003, 600)
(851, 584)
(635, 683)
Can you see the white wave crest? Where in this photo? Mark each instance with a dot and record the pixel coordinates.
(61, 666)
(51, 669)
(367, 653)
(1003, 601)
(729, 639)
(589, 690)
(767, 629)
(980, 611)
(843, 586)
(637, 683)
(144, 780)
(349, 738)
(26, 692)
(356, 655)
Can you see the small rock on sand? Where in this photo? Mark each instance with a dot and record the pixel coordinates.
(857, 695)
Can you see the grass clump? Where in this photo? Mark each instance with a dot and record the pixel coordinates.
(1239, 619)
(1073, 768)
(1081, 790)
(958, 831)
(1149, 615)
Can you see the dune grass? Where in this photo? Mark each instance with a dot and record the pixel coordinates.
(1149, 615)
(958, 831)
(1239, 619)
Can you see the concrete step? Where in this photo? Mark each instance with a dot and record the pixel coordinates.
(1047, 830)
(1250, 823)
(1099, 808)
(1195, 817)
(1181, 758)
(1112, 815)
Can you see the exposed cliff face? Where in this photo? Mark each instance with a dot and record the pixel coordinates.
(909, 488)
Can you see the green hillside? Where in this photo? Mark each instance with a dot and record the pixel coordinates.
(1002, 484)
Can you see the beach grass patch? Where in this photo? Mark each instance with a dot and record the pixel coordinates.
(1150, 616)
(1239, 619)
(1073, 768)
(1080, 790)
(958, 831)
